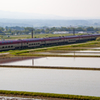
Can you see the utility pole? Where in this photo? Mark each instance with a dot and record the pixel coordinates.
(73, 31)
(33, 62)
(32, 33)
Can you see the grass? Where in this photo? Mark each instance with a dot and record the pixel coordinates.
(35, 36)
(48, 55)
(71, 47)
(49, 95)
(17, 52)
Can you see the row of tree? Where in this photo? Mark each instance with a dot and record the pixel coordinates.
(27, 30)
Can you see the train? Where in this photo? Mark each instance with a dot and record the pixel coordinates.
(38, 42)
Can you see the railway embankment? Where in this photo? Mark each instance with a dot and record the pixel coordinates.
(59, 49)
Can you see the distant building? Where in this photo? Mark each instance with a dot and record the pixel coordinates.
(29, 33)
(60, 32)
(81, 32)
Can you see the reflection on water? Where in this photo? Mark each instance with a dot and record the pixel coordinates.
(60, 62)
(88, 51)
(75, 82)
(81, 52)
(17, 98)
(96, 48)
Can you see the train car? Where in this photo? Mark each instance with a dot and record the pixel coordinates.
(31, 42)
(37, 42)
(10, 44)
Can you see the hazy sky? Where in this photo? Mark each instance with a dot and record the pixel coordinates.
(67, 8)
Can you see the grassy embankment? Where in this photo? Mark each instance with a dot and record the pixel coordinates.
(48, 95)
(58, 49)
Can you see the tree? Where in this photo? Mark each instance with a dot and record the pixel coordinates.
(47, 30)
(90, 29)
(1, 29)
(9, 31)
(79, 29)
(1, 36)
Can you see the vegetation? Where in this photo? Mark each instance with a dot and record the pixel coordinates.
(47, 29)
(27, 36)
(98, 39)
(80, 46)
(51, 95)
(44, 30)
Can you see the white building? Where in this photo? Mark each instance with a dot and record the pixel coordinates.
(60, 32)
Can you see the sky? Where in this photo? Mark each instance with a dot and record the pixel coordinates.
(65, 8)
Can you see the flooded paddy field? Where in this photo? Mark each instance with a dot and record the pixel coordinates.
(88, 52)
(76, 53)
(83, 52)
(86, 62)
(96, 48)
(76, 82)
(17, 98)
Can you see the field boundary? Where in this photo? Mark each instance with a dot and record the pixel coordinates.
(51, 67)
(48, 95)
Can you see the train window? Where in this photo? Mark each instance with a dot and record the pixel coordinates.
(2, 42)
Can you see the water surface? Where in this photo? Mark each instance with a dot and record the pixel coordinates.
(80, 52)
(60, 62)
(17, 98)
(77, 82)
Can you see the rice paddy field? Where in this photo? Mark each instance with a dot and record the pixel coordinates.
(38, 52)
